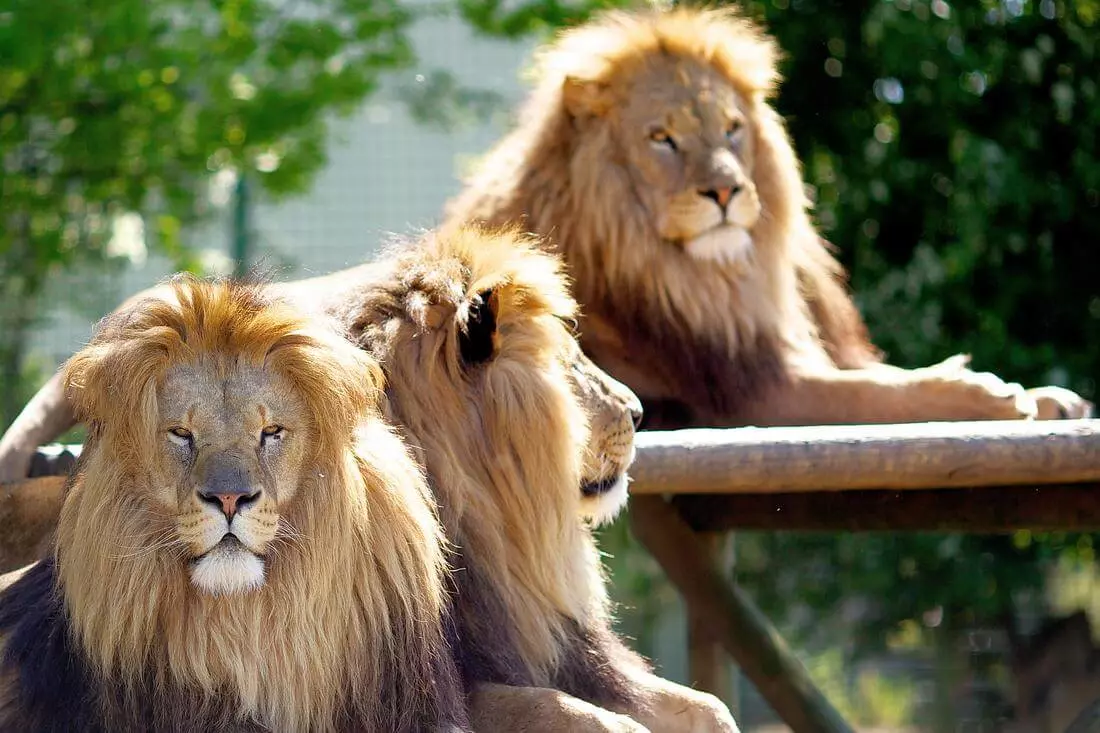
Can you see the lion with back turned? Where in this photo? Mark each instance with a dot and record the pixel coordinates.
(649, 156)
(526, 443)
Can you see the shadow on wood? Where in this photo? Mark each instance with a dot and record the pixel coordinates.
(992, 510)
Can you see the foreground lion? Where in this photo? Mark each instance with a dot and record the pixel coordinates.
(521, 437)
(649, 156)
(245, 546)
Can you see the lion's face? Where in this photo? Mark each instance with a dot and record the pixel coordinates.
(685, 135)
(481, 362)
(230, 449)
(613, 414)
(606, 411)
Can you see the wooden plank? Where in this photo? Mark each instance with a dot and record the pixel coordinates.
(1072, 507)
(733, 619)
(857, 457)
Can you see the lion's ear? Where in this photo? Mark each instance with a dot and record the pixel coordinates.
(113, 383)
(584, 97)
(90, 377)
(477, 337)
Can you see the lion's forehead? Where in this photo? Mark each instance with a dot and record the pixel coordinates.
(241, 396)
(682, 92)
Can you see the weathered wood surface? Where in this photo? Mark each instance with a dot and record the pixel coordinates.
(733, 619)
(861, 457)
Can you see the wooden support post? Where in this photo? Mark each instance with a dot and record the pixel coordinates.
(733, 619)
(707, 662)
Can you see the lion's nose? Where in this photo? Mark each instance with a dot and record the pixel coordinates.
(230, 502)
(721, 196)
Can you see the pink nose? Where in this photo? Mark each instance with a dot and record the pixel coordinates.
(229, 504)
(721, 196)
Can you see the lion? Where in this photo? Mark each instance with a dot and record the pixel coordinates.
(246, 545)
(649, 157)
(522, 438)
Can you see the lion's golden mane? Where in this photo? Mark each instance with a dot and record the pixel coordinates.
(486, 401)
(732, 332)
(344, 634)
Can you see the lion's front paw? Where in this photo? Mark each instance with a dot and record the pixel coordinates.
(580, 715)
(1057, 403)
(963, 394)
(622, 724)
(714, 716)
(699, 712)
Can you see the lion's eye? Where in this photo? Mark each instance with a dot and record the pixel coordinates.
(180, 436)
(663, 139)
(735, 129)
(272, 432)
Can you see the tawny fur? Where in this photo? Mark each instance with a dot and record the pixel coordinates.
(504, 441)
(346, 632)
(706, 330)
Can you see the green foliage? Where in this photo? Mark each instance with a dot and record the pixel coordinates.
(517, 19)
(437, 99)
(955, 160)
(128, 105)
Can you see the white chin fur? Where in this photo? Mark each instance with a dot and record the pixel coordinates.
(726, 245)
(605, 507)
(228, 570)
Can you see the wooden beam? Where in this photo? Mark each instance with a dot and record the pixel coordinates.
(856, 457)
(733, 619)
(1068, 508)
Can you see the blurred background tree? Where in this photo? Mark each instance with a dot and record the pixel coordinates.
(108, 108)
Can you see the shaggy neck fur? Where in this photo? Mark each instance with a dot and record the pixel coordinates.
(340, 637)
(531, 609)
(511, 503)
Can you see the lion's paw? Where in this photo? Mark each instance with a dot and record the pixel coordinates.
(951, 365)
(968, 395)
(699, 713)
(1058, 403)
(580, 715)
(623, 724)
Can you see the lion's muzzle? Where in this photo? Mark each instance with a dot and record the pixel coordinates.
(227, 485)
